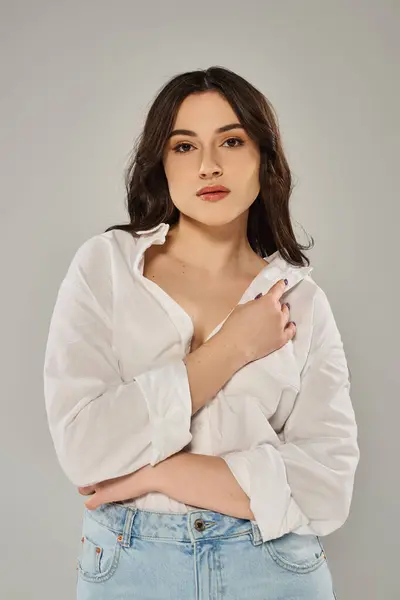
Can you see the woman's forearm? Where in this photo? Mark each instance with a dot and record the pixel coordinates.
(202, 481)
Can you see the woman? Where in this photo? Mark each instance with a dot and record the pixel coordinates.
(196, 384)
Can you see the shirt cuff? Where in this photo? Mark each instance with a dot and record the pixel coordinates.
(167, 394)
(261, 473)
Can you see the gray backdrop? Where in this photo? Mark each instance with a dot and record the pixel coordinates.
(76, 80)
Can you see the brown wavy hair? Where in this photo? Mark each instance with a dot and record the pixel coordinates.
(149, 203)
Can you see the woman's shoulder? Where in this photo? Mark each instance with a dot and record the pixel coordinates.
(107, 242)
(306, 291)
(324, 323)
(98, 250)
(97, 260)
(115, 247)
(315, 295)
(301, 278)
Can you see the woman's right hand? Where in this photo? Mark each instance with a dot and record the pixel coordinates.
(260, 326)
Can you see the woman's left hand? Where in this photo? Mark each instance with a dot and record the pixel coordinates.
(126, 487)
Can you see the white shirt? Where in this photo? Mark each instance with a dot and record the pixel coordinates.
(117, 392)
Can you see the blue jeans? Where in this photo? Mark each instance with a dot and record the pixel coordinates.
(131, 554)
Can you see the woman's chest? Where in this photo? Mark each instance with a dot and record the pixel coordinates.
(158, 313)
(207, 302)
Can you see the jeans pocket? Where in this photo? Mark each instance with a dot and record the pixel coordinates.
(298, 553)
(99, 552)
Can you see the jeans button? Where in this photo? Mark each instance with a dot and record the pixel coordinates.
(199, 525)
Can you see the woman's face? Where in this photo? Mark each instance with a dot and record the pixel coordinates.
(208, 157)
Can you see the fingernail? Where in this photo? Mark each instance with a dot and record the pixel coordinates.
(286, 281)
(293, 322)
(287, 304)
(258, 296)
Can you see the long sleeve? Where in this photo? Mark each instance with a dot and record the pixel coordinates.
(101, 426)
(304, 482)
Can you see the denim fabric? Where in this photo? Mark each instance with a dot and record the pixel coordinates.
(132, 554)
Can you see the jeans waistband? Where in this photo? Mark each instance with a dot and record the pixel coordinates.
(128, 522)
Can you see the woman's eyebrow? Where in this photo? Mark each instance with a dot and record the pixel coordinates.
(194, 134)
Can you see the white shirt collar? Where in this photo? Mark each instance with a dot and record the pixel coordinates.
(278, 267)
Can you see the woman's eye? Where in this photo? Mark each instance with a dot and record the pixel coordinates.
(241, 142)
(179, 147)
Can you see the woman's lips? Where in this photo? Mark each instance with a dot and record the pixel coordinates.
(213, 196)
